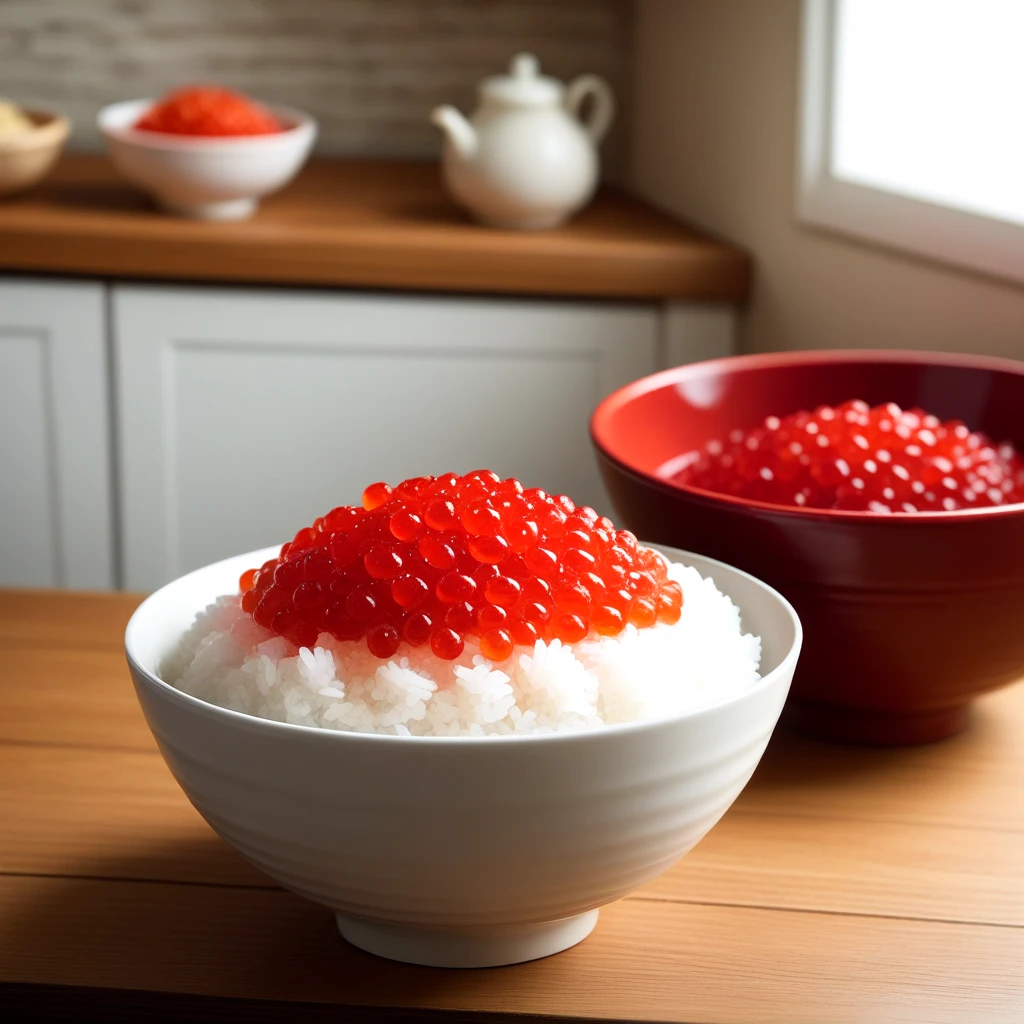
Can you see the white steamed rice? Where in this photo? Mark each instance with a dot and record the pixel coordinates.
(228, 660)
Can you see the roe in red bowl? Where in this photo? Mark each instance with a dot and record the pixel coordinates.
(883, 459)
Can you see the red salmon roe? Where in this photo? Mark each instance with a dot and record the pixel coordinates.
(436, 560)
(855, 457)
(208, 110)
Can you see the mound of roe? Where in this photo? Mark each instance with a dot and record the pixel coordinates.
(208, 110)
(855, 457)
(437, 559)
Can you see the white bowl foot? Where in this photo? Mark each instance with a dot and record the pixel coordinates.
(466, 948)
(229, 209)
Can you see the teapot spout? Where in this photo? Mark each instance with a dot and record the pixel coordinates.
(459, 131)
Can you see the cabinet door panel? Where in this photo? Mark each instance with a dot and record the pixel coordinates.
(244, 415)
(55, 498)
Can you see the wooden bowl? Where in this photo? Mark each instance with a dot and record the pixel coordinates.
(907, 617)
(25, 159)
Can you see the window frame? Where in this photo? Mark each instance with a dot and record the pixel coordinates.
(983, 244)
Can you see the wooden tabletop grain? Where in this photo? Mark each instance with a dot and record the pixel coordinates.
(366, 224)
(845, 885)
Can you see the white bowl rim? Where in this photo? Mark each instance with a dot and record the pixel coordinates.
(300, 125)
(269, 726)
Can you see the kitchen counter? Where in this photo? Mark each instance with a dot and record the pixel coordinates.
(365, 224)
(844, 885)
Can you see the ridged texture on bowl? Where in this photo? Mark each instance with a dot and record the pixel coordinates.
(508, 833)
(457, 833)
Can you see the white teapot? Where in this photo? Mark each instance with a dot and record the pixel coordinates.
(525, 160)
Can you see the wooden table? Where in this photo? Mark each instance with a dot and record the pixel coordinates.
(845, 885)
(363, 223)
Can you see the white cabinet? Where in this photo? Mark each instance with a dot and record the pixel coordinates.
(243, 414)
(55, 488)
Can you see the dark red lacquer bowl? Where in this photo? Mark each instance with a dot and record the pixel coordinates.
(906, 617)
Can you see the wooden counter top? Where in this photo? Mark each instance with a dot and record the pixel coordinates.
(845, 885)
(365, 224)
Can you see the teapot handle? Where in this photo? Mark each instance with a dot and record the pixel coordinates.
(603, 109)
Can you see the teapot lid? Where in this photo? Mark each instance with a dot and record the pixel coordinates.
(523, 85)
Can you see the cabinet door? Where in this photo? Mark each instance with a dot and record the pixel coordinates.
(55, 497)
(244, 414)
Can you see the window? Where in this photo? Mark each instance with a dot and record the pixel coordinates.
(912, 126)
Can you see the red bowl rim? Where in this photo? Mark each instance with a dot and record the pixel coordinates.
(599, 423)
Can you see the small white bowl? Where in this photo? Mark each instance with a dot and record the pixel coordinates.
(206, 177)
(459, 851)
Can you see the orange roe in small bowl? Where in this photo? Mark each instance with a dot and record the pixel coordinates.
(208, 110)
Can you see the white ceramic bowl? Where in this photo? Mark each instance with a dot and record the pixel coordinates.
(212, 178)
(460, 852)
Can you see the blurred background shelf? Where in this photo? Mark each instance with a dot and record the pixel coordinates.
(368, 224)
